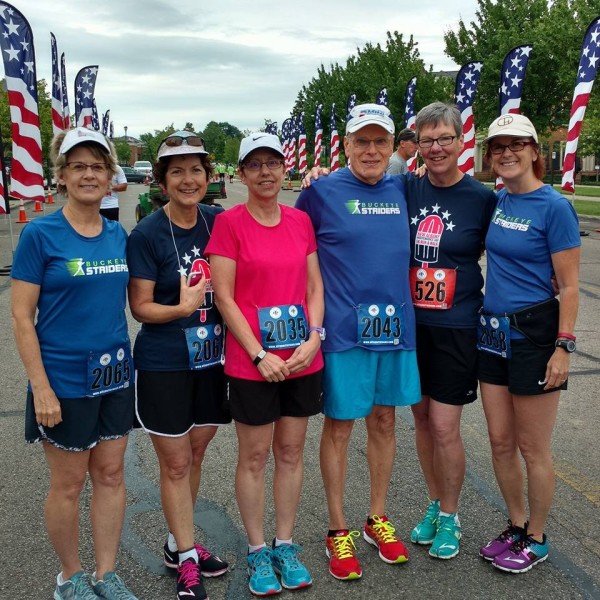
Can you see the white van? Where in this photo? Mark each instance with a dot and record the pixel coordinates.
(143, 166)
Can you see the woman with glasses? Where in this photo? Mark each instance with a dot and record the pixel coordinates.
(178, 351)
(525, 336)
(69, 279)
(268, 287)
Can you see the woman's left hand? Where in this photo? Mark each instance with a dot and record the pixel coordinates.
(304, 355)
(557, 370)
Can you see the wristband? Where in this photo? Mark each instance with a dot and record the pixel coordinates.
(259, 357)
(568, 336)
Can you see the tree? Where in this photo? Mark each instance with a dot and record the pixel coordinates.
(215, 137)
(151, 142)
(231, 150)
(123, 151)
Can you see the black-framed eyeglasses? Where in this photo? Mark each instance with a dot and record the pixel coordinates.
(177, 140)
(256, 165)
(80, 167)
(444, 140)
(516, 146)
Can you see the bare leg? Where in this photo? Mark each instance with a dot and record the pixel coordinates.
(200, 437)
(424, 445)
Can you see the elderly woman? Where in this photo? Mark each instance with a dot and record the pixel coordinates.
(525, 336)
(70, 270)
(268, 287)
(178, 351)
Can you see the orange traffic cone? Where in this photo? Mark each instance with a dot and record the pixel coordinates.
(22, 216)
(147, 182)
(289, 187)
(49, 198)
(38, 206)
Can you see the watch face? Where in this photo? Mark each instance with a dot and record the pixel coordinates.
(568, 345)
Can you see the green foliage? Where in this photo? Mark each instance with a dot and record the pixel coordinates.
(216, 137)
(231, 150)
(151, 142)
(123, 151)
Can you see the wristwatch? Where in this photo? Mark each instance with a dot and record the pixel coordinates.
(321, 331)
(259, 357)
(567, 345)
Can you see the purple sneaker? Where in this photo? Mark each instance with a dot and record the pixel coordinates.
(503, 542)
(522, 556)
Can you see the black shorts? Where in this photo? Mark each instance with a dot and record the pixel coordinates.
(85, 421)
(170, 403)
(261, 402)
(447, 361)
(110, 213)
(524, 372)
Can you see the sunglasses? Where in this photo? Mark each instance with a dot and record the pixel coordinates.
(177, 140)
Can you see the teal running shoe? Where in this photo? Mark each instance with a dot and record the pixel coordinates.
(111, 587)
(263, 581)
(425, 531)
(294, 575)
(78, 587)
(446, 543)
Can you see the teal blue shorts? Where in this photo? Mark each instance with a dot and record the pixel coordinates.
(355, 380)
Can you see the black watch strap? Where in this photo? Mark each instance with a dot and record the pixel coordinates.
(259, 357)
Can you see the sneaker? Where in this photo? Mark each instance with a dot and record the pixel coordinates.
(189, 581)
(210, 564)
(341, 552)
(503, 542)
(425, 531)
(446, 543)
(380, 533)
(263, 581)
(111, 587)
(78, 587)
(522, 555)
(294, 575)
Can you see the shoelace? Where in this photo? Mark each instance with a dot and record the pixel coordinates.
(431, 514)
(343, 545)
(203, 553)
(261, 562)
(117, 588)
(523, 543)
(289, 553)
(384, 530)
(83, 588)
(189, 573)
(509, 532)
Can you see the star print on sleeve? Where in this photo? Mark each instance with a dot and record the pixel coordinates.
(182, 271)
(187, 258)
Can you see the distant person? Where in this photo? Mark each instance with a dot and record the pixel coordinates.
(407, 148)
(110, 203)
(231, 172)
(221, 169)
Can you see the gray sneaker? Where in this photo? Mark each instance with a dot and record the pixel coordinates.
(78, 587)
(112, 588)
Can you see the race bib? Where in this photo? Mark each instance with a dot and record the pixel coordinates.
(379, 324)
(205, 346)
(109, 371)
(282, 326)
(432, 288)
(493, 335)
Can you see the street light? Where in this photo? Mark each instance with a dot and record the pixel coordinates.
(125, 128)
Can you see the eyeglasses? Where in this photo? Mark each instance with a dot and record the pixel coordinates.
(79, 168)
(256, 165)
(445, 140)
(516, 146)
(364, 143)
(177, 140)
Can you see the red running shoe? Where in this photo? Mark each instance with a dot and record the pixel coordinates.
(380, 533)
(341, 551)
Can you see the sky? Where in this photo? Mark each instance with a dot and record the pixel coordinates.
(240, 61)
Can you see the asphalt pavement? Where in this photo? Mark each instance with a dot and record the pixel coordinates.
(28, 565)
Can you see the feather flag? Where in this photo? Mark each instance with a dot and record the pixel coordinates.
(105, 121)
(58, 122)
(271, 128)
(85, 84)
(16, 43)
(292, 144)
(512, 77)
(464, 94)
(285, 141)
(410, 115)
(302, 163)
(588, 67)
(111, 131)
(65, 97)
(95, 118)
(334, 164)
(318, 135)
(4, 203)
(350, 105)
(382, 97)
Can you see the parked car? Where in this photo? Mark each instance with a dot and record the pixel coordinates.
(133, 176)
(143, 166)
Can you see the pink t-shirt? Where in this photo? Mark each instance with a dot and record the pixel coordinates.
(271, 270)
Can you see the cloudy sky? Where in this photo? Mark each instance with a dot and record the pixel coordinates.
(241, 61)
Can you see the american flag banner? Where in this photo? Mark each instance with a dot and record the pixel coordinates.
(464, 94)
(410, 115)
(334, 164)
(350, 105)
(588, 67)
(105, 121)
(512, 77)
(85, 83)
(302, 163)
(271, 128)
(95, 118)
(292, 143)
(285, 141)
(16, 42)
(382, 97)
(58, 122)
(4, 204)
(318, 135)
(111, 131)
(65, 97)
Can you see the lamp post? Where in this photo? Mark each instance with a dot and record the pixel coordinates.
(125, 128)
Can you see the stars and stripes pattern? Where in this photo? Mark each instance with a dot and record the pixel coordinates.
(334, 164)
(292, 143)
(318, 135)
(588, 67)
(350, 105)
(111, 131)
(95, 118)
(289, 143)
(65, 98)
(16, 44)
(105, 121)
(271, 128)
(464, 94)
(58, 122)
(85, 83)
(512, 77)
(302, 163)
(410, 115)
(4, 204)
(285, 141)
(382, 97)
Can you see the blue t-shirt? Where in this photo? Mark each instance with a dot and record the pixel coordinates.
(448, 226)
(81, 307)
(364, 250)
(524, 233)
(151, 255)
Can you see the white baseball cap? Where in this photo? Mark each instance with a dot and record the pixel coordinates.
(181, 142)
(370, 114)
(81, 135)
(259, 140)
(511, 124)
